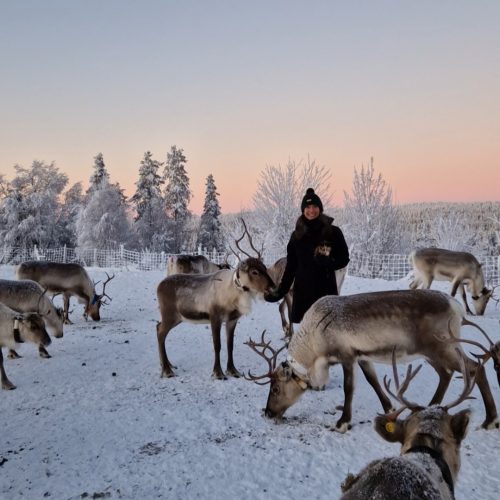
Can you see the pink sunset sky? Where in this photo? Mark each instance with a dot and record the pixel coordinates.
(244, 84)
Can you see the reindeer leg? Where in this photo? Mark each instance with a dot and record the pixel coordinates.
(66, 309)
(491, 421)
(444, 381)
(43, 352)
(464, 299)
(284, 324)
(231, 369)
(162, 329)
(6, 383)
(216, 325)
(344, 422)
(13, 354)
(371, 377)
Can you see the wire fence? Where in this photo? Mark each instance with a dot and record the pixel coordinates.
(384, 266)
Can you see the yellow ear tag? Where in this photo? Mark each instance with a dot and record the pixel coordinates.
(389, 427)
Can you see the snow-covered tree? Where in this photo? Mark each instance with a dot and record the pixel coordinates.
(177, 195)
(373, 222)
(150, 221)
(99, 176)
(30, 209)
(210, 234)
(280, 190)
(74, 200)
(103, 223)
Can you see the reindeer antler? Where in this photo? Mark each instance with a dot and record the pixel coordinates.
(469, 382)
(104, 294)
(250, 241)
(271, 360)
(401, 388)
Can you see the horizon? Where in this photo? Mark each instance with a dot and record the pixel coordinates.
(240, 85)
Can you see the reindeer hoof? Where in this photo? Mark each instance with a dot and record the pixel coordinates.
(167, 374)
(342, 428)
(233, 373)
(8, 387)
(490, 425)
(218, 375)
(13, 355)
(44, 354)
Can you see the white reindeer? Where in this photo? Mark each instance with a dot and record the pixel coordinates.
(368, 326)
(461, 268)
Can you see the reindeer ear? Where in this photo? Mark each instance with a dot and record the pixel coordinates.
(459, 424)
(390, 430)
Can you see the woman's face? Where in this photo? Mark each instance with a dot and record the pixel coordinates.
(311, 212)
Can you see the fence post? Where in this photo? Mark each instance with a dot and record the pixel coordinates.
(95, 257)
(122, 255)
(64, 254)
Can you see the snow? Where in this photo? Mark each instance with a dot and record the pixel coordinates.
(97, 421)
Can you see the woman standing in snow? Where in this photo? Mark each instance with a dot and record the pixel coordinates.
(315, 251)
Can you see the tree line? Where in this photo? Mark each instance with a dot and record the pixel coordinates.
(38, 208)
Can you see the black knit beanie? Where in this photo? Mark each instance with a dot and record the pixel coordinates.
(311, 198)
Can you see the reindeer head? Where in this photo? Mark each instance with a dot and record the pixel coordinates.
(92, 309)
(481, 301)
(31, 328)
(286, 388)
(427, 427)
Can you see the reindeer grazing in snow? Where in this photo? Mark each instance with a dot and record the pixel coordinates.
(192, 264)
(221, 297)
(28, 296)
(461, 268)
(68, 279)
(368, 326)
(16, 328)
(430, 440)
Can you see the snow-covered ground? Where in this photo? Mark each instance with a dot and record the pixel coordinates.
(97, 421)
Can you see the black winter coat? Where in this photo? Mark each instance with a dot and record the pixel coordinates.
(315, 250)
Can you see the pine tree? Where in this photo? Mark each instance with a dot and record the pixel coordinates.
(150, 220)
(99, 176)
(210, 234)
(31, 208)
(177, 195)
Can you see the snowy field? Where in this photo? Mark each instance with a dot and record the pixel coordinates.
(97, 421)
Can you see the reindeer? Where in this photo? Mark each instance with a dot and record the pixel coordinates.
(367, 326)
(28, 296)
(430, 440)
(220, 297)
(16, 328)
(276, 272)
(68, 279)
(193, 264)
(461, 268)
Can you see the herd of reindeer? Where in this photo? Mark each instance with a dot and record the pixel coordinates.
(384, 326)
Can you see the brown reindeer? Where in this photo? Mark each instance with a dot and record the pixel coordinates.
(221, 297)
(461, 268)
(68, 279)
(16, 328)
(25, 296)
(430, 440)
(367, 326)
(192, 264)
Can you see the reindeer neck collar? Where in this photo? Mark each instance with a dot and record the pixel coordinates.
(299, 372)
(237, 282)
(438, 459)
(17, 333)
